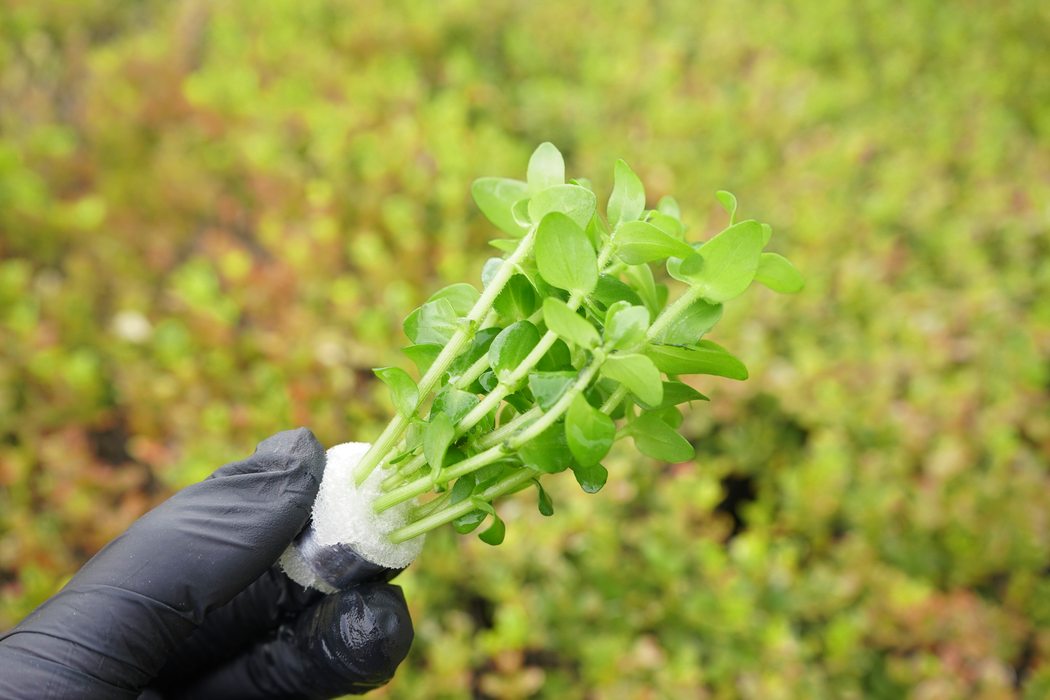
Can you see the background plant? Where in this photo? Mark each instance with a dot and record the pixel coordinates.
(213, 219)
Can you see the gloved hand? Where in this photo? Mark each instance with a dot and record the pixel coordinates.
(187, 603)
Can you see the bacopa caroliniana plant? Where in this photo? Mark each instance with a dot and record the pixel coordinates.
(571, 346)
(570, 335)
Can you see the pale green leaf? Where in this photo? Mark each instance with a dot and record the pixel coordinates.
(777, 273)
(588, 431)
(403, 391)
(574, 201)
(627, 201)
(730, 262)
(640, 242)
(638, 373)
(495, 197)
(564, 255)
(546, 168)
(568, 324)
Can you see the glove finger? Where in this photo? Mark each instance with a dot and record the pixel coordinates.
(349, 642)
(109, 631)
(272, 600)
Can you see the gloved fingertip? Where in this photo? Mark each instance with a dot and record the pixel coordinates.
(290, 450)
(375, 629)
(346, 643)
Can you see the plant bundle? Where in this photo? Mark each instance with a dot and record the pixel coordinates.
(571, 345)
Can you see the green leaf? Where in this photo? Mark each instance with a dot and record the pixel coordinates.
(489, 270)
(557, 359)
(591, 479)
(545, 504)
(628, 196)
(488, 381)
(414, 436)
(495, 196)
(658, 440)
(511, 346)
(548, 452)
(520, 212)
(546, 168)
(670, 415)
(730, 261)
(479, 347)
(454, 403)
(767, 233)
(610, 290)
(482, 504)
(696, 264)
(403, 390)
(692, 266)
(564, 256)
(575, 202)
(548, 387)
(462, 489)
(496, 532)
(589, 432)
(433, 323)
(706, 358)
(488, 473)
(568, 324)
(638, 374)
(519, 401)
(595, 231)
(462, 296)
(668, 206)
(729, 202)
(422, 355)
(639, 242)
(616, 308)
(517, 300)
(626, 328)
(777, 273)
(641, 277)
(436, 440)
(674, 394)
(582, 182)
(466, 524)
(668, 224)
(505, 245)
(692, 324)
(401, 458)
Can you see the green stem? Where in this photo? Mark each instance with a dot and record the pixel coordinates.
(486, 441)
(455, 346)
(387, 439)
(562, 405)
(607, 251)
(499, 434)
(447, 515)
(672, 312)
(464, 381)
(614, 400)
(506, 385)
(428, 508)
(422, 485)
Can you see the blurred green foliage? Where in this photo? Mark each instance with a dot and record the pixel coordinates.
(213, 217)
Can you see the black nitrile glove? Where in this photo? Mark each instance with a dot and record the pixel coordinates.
(188, 603)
